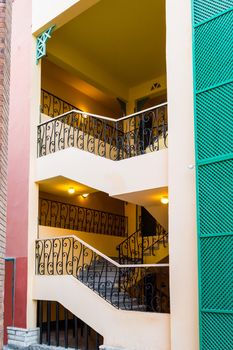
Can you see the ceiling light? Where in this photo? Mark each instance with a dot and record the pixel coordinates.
(164, 200)
(85, 195)
(85, 116)
(71, 190)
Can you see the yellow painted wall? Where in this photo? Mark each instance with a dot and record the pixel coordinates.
(106, 244)
(155, 89)
(51, 82)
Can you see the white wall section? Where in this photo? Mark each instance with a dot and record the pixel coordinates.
(132, 330)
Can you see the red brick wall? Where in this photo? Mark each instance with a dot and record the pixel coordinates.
(5, 31)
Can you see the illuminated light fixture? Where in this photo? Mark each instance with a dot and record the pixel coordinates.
(85, 116)
(164, 200)
(71, 190)
(85, 195)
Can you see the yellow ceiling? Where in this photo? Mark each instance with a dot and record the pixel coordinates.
(146, 198)
(125, 38)
(59, 185)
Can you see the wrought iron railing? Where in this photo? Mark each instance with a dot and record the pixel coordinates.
(127, 287)
(64, 215)
(136, 247)
(123, 138)
(54, 106)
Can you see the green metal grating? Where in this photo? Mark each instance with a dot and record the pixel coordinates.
(213, 52)
(216, 254)
(213, 87)
(217, 335)
(214, 126)
(216, 198)
(205, 9)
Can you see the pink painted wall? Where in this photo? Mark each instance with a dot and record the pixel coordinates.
(18, 163)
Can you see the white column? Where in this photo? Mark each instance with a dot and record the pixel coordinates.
(181, 179)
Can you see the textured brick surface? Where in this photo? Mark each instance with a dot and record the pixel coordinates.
(5, 31)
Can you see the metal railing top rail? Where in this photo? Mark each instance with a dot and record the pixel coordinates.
(113, 262)
(127, 238)
(103, 117)
(155, 242)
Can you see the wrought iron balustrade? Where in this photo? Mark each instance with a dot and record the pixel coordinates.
(123, 138)
(64, 215)
(135, 247)
(132, 287)
(54, 106)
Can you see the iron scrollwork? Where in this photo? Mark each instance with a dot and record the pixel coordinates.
(141, 133)
(138, 288)
(64, 215)
(135, 247)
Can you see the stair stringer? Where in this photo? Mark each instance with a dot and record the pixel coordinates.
(113, 177)
(118, 327)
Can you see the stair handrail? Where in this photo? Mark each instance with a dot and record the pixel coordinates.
(115, 139)
(137, 255)
(115, 120)
(158, 240)
(127, 287)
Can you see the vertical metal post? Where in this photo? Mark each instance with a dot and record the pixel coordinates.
(66, 328)
(106, 277)
(97, 342)
(40, 309)
(57, 324)
(76, 332)
(86, 337)
(48, 322)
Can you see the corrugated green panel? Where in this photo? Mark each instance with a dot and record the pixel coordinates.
(217, 331)
(205, 9)
(216, 254)
(213, 52)
(214, 126)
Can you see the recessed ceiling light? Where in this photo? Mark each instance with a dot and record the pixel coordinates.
(164, 200)
(71, 190)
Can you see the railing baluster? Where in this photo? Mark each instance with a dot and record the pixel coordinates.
(86, 337)
(48, 322)
(76, 336)
(57, 325)
(40, 309)
(66, 328)
(97, 341)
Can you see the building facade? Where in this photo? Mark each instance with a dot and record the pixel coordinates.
(5, 31)
(115, 176)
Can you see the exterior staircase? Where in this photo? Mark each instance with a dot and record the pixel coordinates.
(127, 287)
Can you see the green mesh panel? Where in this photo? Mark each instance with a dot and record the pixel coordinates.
(213, 76)
(213, 51)
(216, 254)
(214, 126)
(216, 198)
(205, 9)
(218, 334)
